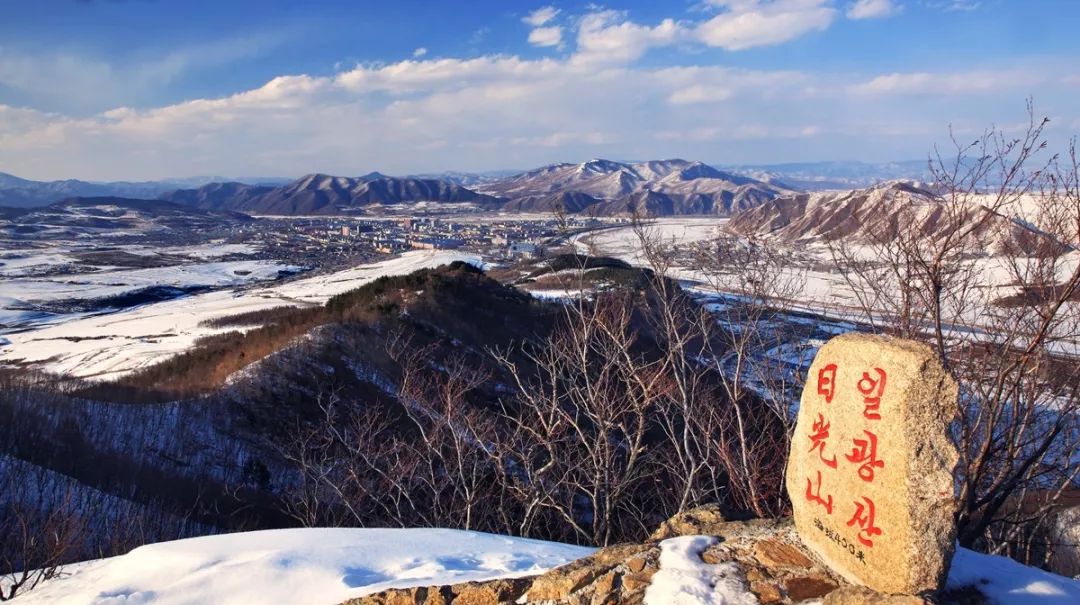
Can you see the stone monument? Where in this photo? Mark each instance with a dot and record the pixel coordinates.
(870, 470)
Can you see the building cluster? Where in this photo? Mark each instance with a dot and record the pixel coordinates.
(334, 242)
(505, 238)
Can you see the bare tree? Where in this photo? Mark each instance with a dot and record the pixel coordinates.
(580, 421)
(744, 428)
(987, 276)
(38, 537)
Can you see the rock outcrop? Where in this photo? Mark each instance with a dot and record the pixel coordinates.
(775, 565)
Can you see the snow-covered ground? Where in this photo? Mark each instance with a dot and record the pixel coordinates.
(1007, 582)
(328, 566)
(213, 250)
(88, 286)
(21, 262)
(17, 260)
(107, 346)
(298, 566)
(823, 292)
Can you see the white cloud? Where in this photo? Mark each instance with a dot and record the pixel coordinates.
(956, 5)
(49, 79)
(700, 94)
(546, 36)
(607, 37)
(541, 16)
(420, 52)
(498, 111)
(873, 9)
(925, 83)
(743, 24)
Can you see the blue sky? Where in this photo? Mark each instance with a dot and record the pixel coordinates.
(141, 89)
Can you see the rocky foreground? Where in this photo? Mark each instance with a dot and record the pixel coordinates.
(769, 562)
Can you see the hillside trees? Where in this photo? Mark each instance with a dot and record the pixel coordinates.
(593, 431)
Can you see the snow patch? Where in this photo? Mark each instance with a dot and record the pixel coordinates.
(1006, 582)
(684, 579)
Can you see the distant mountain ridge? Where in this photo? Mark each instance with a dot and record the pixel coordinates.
(316, 194)
(821, 176)
(651, 188)
(16, 192)
(598, 187)
(90, 214)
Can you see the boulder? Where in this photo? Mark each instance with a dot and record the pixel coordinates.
(870, 470)
(701, 521)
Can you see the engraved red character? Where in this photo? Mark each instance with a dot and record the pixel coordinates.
(872, 390)
(864, 518)
(865, 454)
(817, 438)
(813, 496)
(826, 382)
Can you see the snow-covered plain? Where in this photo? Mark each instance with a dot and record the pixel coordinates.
(823, 292)
(21, 262)
(88, 286)
(298, 566)
(107, 346)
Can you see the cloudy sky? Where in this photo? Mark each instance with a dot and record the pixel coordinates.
(139, 89)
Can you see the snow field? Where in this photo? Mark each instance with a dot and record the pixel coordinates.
(298, 566)
(88, 286)
(108, 346)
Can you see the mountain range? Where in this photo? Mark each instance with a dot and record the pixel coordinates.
(598, 187)
(16, 192)
(326, 194)
(821, 176)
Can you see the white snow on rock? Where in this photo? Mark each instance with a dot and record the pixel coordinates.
(298, 566)
(1006, 582)
(329, 566)
(684, 579)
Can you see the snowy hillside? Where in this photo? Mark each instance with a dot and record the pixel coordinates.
(298, 566)
(882, 212)
(655, 188)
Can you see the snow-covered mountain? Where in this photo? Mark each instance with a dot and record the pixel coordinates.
(601, 187)
(23, 193)
(881, 213)
(658, 187)
(326, 194)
